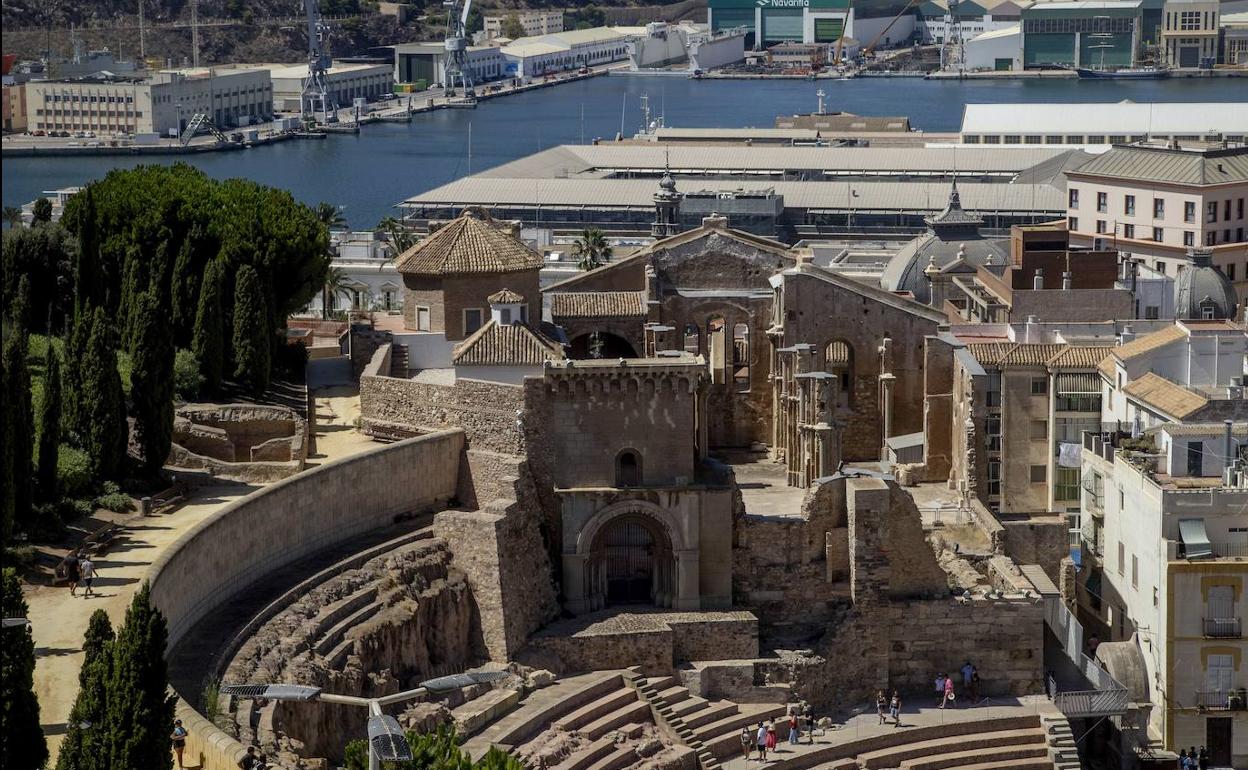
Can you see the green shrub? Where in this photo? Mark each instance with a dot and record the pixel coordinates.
(47, 526)
(20, 556)
(117, 502)
(70, 508)
(186, 377)
(73, 472)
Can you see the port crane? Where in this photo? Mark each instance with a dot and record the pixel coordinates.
(871, 46)
(315, 99)
(457, 71)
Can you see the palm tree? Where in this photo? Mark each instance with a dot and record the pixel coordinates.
(331, 216)
(401, 238)
(336, 284)
(591, 249)
(12, 216)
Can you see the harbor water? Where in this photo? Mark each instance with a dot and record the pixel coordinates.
(367, 174)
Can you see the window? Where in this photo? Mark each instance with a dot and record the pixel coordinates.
(1220, 673)
(504, 316)
(1207, 312)
(1039, 386)
(1161, 267)
(1226, 210)
(472, 320)
(628, 469)
(1039, 430)
(1074, 198)
(1152, 312)
(1159, 234)
(1239, 209)
(1230, 272)
(1100, 226)
(1189, 238)
(1211, 237)
(1128, 231)
(1211, 211)
(1122, 559)
(1128, 205)
(1135, 571)
(1039, 474)
(1074, 223)
(1102, 202)
(1159, 208)
(994, 478)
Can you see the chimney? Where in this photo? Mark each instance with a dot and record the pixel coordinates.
(1031, 332)
(1127, 335)
(1037, 283)
(1068, 281)
(715, 222)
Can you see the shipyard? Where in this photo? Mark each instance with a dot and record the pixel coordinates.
(696, 385)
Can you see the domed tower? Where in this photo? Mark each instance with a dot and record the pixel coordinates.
(666, 205)
(1202, 291)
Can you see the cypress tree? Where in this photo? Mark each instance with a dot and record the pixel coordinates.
(207, 342)
(134, 281)
(103, 406)
(88, 278)
(73, 405)
(49, 424)
(42, 211)
(22, 744)
(18, 434)
(151, 380)
(183, 291)
(139, 716)
(251, 331)
(83, 748)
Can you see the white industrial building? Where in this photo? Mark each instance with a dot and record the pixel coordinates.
(426, 61)
(345, 82)
(660, 45)
(533, 22)
(1000, 49)
(1102, 123)
(934, 22)
(543, 54)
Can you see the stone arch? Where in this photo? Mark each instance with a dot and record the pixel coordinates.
(629, 552)
(607, 345)
(628, 468)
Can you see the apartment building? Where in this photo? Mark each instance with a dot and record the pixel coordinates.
(162, 103)
(1154, 203)
(1165, 529)
(1189, 33)
(534, 22)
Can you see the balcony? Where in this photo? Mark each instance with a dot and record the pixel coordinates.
(1222, 628)
(1222, 700)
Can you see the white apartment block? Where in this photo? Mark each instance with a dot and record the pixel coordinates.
(1153, 204)
(1165, 529)
(538, 22)
(373, 283)
(1189, 32)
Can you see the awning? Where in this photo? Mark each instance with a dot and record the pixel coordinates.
(1078, 384)
(1195, 540)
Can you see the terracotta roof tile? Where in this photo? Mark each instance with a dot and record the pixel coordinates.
(1080, 357)
(597, 304)
(1149, 342)
(468, 245)
(1031, 354)
(990, 353)
(504, 297)
(506, 345)
(1165, 396)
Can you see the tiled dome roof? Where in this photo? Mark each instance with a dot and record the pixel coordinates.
(468, 245)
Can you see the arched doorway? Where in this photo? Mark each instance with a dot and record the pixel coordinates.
(600, 345)
(838, 359)
(633, 562)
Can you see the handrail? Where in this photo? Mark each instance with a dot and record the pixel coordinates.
(1109, 696)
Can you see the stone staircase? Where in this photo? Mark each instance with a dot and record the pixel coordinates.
(398, 361)
(1061, 740)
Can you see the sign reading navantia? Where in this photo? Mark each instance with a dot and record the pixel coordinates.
(778, 4)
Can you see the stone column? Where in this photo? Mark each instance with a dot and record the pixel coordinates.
(886, 404)
(687, 592)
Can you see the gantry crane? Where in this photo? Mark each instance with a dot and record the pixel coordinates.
(315, 99)
(457, 70)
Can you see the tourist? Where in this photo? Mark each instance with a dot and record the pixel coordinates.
(967, 669)
(71, 572)
(881, 703)
(249, 759)
(178, 737)
(974, 685)
(1184, 764)
(773, 740)
(88, 573)
(1202, 759)
(747, 742)
(810, 724)
(894, 709)
(261, 763)
(948, 696)
(794, 733)
(761, 739)
(940, 688)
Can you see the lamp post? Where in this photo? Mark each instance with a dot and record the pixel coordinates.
(386, 740)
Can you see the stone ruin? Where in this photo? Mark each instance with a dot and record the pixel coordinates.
(247, 442)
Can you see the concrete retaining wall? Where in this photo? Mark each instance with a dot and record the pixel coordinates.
(279, 524)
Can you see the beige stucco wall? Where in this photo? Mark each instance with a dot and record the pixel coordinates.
(281, 523)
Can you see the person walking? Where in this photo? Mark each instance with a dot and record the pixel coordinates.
(966, 670)
(810, 724)
(894, 709)
(178, 738)
(940, 688)
(88, 573)
(948, 695)
(747, 742)
(794, 731)
(773, 740)
(974, 685)
(72, 572)
(1202, 759)
(881, 703)
(761, 740)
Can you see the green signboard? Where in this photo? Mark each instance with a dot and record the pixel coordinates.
(813, 4)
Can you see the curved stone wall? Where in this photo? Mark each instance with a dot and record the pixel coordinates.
(286, 521)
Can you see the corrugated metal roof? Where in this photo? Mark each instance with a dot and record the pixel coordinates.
(821, 196)
(736, 133)
(1124, 117)
(597, 304)
(1160, 164)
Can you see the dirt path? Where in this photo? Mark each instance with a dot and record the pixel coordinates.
(58, 620)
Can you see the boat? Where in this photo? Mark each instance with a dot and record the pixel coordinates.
(1124, 73)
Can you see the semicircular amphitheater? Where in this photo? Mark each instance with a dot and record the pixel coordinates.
(663, 551)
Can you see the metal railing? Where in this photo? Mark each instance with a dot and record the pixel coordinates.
(1222, 700)
(1109, 697)
(1222, 628)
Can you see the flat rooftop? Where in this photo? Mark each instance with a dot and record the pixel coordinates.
(1125, 117)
